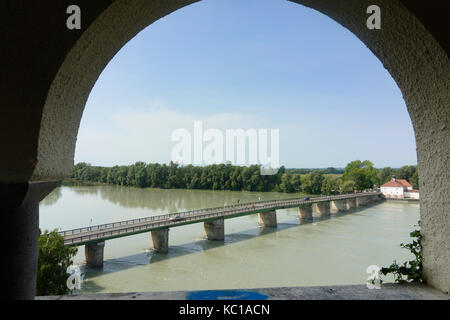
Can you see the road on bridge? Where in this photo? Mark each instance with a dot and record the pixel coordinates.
(81, 236)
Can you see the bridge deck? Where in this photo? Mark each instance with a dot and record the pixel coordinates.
(81, 236)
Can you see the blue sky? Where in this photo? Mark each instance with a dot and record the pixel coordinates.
(248, 64)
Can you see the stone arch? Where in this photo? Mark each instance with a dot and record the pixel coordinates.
(415, 59)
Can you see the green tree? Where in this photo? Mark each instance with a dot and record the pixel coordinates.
(78, 168)
(405, 172)
(131, 174)
(358, 175)
(312, 182)
(236, 179)
(348, 186)
(140, 178)
(104, 175)
(385, 174)
(331, 185)
(286, 183)
(296, 183)
(53, 260)
(362, 173)
(414, 180)
(122, 175)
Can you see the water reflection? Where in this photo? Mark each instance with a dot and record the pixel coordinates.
(52, 198)
(169, 200)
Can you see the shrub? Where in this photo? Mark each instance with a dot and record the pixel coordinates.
(412, 270)
(53, 260)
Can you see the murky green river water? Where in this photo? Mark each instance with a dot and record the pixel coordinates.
(326, 252)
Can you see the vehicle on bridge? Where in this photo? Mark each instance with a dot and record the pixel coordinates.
(176, 218)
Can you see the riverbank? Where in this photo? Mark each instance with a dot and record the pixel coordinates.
(402, 199)
(70, 182)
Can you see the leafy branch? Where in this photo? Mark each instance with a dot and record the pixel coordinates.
(53, 260)
(412, 270)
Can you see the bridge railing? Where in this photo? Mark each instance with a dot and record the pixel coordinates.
(160, 220)
(156, 224)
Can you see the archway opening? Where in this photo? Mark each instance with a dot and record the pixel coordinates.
(336, 114)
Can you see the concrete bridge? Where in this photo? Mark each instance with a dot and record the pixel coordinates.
(213, 218)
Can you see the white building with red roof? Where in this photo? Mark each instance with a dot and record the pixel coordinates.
(399, 188)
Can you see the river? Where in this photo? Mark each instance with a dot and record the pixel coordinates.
(333, 251)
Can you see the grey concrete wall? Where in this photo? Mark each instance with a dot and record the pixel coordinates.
(267, 219)
(375, 199)
(214, 230)
(93, 254)
(20, 220)
(305, 212)
(351, 203)
(339, 206)
(361, 201)
(322, 209)
(160, 240)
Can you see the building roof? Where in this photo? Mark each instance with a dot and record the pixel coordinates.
(404, 183)
(398, 183)
(393, 184)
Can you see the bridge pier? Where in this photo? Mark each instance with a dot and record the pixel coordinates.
(305, 212)
(160, 240)
(323, 209)
(93, 254)
(351, 203)
(214, 229)
(361, 201)
(339, 205)
(267, 219)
